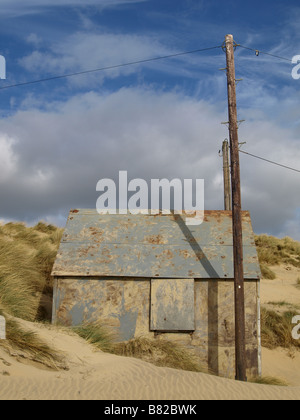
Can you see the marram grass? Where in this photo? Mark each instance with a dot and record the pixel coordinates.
(26, 259)
(268, 380)
(274, 251)
(277, 329)
(161, 353)
(97, 334)
(25, 344)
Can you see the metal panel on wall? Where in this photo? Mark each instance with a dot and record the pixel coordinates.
(172, 305)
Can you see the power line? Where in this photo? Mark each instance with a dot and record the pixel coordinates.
(110, 67)
(64, 76)
(270, 161)
(258, 52)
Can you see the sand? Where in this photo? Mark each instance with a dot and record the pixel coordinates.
(94, 375)
(283, 288)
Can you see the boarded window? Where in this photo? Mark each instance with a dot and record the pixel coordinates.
(172, 305)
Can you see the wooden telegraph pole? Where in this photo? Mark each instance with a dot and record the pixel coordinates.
(226, 176)
(240, 340)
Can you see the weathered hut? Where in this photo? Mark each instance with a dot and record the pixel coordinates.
(155, 276)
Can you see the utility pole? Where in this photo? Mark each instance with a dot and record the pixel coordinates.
(240, 336)
(226, 176)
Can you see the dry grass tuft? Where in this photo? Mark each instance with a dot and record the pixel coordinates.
(161, 353)
(26, 345)
(26, 259)
(268, 380)
(97, 334)
(277, 330)
(273, 251)
(266, 272)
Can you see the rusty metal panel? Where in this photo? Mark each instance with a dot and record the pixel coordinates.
(145, 229)
(142, 261)
(153, 246)
(172, 305)
(122, 304)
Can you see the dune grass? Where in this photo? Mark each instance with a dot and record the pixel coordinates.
(25, 344)
(161, 353)
(274, 251)
(27, 255)
(268, 380)
(97, 334)
(266, 272)
(277, 329)
(26, 259)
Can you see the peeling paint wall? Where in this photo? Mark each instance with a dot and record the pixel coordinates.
(125, 305)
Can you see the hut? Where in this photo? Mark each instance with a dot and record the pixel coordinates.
(156, 276)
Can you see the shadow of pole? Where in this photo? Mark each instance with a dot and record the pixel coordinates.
(213, 296)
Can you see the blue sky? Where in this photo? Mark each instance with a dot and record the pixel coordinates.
(157, 119)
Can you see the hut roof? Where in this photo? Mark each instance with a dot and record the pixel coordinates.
(148, 246)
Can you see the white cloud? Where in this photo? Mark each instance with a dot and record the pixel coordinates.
(13, 8)
(65, 151)
(87, 51)
(8, 160)
(34, 39)
(84, 51)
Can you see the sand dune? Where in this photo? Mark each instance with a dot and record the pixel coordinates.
(281, 364)
(282, 289)
(94, 375)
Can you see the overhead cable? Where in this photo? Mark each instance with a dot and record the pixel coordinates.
(148, 60)
(270, 161)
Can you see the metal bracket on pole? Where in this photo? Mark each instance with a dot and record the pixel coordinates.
(235, 45)
(242, 144)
